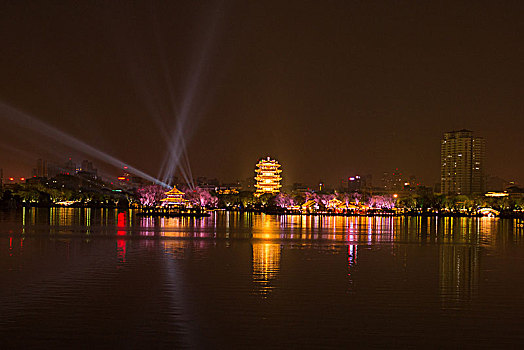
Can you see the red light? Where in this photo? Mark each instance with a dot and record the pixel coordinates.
(11, 179)
(121, 243)
(121, 221)
(121, 247)
(22, 179)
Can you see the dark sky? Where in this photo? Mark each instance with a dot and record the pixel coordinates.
(329, 88)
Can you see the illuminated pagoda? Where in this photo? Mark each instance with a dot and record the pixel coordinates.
(268, 177)
(175, 197)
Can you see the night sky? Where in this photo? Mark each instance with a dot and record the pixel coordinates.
(329, 88)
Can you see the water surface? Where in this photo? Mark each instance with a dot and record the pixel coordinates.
(98, 277)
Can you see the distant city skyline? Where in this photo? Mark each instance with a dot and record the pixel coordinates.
(394, 179)
(329, 89)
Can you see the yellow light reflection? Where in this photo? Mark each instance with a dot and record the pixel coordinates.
(458, 274)
(266, 266)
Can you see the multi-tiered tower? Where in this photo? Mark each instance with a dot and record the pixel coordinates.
(268, 177)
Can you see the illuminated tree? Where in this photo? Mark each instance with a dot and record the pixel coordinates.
(356, 197)
(264, 199)
(325, 198)
(321, 200)
(344, 198)
(284, 200)
(150, 195)
(310, 195)
(207, 199)
(201, 197)
(381, 202)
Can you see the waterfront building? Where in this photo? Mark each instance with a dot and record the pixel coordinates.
(299, 187)
(206, 183)
(515, 191)
(496, 184)
(70, 167)
(174, 197)
(338, 206)
(310, 205)
(268, 177)
(53, 170)
(88, 169)
(393, 181)
(355, 183)
(247, 184)
(41, 168)
(462, 163)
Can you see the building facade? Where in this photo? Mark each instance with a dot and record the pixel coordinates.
(462, 163)
(393, 181)
(268, 177)
(88, 169)
(174, 197)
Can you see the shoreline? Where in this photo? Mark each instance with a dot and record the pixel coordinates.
(151, 212)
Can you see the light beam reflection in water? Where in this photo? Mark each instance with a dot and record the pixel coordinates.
(92, 276)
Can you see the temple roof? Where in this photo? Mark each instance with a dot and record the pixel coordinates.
(174, 191)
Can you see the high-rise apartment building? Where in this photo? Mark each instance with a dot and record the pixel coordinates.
(393, 181)
(462, 163)
(87, 169)
(70, 167)
(41, 168)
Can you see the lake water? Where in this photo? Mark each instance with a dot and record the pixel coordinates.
(105, 278)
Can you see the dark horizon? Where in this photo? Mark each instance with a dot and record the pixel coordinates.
(330, 91)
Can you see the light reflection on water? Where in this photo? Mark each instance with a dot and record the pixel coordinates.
(240, 280)
(370, 230)
(266, 266)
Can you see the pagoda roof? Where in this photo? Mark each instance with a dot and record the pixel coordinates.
(174, 191)
(336, 203)
(309, 203)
